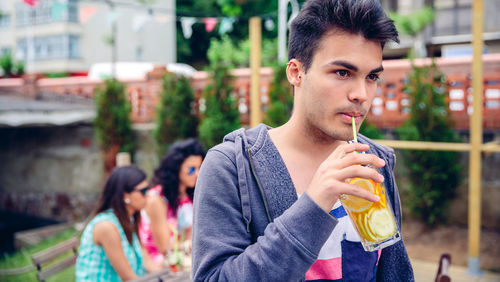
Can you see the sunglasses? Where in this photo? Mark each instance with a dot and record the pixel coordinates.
(143, 191)
(192, 169)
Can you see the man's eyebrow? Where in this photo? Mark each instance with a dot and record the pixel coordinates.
(352, 67)
(345, 65)
(379, 69)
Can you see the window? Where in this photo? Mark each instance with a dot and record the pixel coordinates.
(4, 20)
(50, 47)
(138, 54)
(74, 47)
(5, 51)
(47, 11)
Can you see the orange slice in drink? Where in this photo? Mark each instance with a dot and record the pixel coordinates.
(381, 223)
(367, 233)
(356, 204)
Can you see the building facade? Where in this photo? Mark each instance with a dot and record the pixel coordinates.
(68, 36)
(450, 34)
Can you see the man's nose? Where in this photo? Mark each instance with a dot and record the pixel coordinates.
(358, 92)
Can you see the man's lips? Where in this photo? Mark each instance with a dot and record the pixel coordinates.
(347, 117)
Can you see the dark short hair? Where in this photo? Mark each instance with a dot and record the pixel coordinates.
(317, 17)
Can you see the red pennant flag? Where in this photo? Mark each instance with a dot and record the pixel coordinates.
(209, 23)
(31, 3)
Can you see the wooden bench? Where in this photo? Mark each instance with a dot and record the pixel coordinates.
(164, 276)
(43, 259)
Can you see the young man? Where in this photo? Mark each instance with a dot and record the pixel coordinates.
(264, 196)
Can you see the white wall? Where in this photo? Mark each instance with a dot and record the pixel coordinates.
(157, 40)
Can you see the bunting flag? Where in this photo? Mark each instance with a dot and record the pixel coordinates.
(112, 17)
(187, 26)
(226, 25)
(269, 24)
(163, 19)
(210, 23)
(57, 9)
(86, 12)
(139, 21)
(31, 3)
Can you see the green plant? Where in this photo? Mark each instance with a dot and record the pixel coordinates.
(175, 115)
(10, 67)
(56, 74)
(221, 114)
(237, 54)
(7, 65)
(112, 124)
(371, 131)
(281, 98)
(433, 175)
(413, 24)
(19, 68)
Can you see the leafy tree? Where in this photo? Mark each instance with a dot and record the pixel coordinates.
(433, 175)
(175, 116)
(371, 131)
(10, 67)
(112, 124)
(19, 68)
(413, 24)
(7, 65)
(237, 55)
(241, 10)
(281, 98)
(221, 115)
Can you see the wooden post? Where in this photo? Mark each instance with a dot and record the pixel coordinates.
(123, 159)
(255, 46)
(476, 137)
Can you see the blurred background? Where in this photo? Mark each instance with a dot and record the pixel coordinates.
(87, 85)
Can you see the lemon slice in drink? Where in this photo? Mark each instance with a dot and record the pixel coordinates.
(356, 204)
(380, 223)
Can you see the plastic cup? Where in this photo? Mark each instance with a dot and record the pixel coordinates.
(374, 221)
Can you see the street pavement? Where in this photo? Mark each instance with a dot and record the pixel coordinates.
(425, 271)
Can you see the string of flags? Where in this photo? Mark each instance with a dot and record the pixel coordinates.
(87, 11)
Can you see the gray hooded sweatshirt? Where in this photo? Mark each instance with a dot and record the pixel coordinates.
(249, 224)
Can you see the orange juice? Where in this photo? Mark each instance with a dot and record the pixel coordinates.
(374, 221)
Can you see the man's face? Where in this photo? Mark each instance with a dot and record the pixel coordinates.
(340, 84)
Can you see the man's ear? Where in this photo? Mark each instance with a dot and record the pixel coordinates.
(294, 72)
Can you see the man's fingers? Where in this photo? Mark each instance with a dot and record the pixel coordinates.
(361, 172)
(361, 159)
(354, 190)
(342, 150)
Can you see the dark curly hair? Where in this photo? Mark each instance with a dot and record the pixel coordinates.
(167, 174)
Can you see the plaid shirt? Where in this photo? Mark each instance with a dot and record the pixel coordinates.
(93, 264)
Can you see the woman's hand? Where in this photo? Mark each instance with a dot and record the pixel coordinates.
(149, 264)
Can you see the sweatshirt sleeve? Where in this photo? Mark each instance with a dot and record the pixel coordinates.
(223, 250)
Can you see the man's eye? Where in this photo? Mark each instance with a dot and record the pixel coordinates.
(342, 73)
(373, 77)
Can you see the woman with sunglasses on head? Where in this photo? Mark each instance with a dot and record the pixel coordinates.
(169, 208)
(109, 246)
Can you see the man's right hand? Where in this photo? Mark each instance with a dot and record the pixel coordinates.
(329, 181)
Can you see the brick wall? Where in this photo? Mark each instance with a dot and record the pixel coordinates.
(390, 107)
